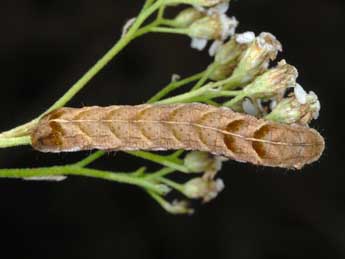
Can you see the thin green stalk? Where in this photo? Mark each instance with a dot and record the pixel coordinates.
(148, 3)
(186, 97)
(89, 159)
(91, 73)
(12, 142)
(235, 100)
(168, 22)
(121, 44)
(175, 164)
(205, 76)
(161, 173)
(232, 82)
(172, 184)
(74, 170)
(173, 86)
(169, 30)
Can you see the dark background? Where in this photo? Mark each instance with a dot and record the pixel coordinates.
(46, 45)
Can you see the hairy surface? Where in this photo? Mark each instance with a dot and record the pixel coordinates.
(182, 126)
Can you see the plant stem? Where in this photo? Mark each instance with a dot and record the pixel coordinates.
(175, 164)
(205, 76)
(169, 30)
(168, 22)
(12, 142)
(161, 173)
(89, 159)
(74, 170)
(92, 72)
(172, 184)
(148, 3)
(173, 86)
(235, 100)
(186, 97)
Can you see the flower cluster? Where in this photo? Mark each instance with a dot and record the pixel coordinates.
(241, 69)
(203, 24)
(240, 76)
(242, 62)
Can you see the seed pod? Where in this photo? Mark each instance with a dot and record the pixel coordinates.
(183, 126)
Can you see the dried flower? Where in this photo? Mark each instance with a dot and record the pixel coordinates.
(273, 82)
(216, 26)
(255, 60)
(186, 17)
(177, 207)
(291, 110)
(301, 94)
(201, 188)
(197, 161)
(227, 56)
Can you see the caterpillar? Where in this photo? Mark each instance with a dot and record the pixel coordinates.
(195, 126)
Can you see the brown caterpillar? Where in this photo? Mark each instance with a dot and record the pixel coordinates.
(183, 126)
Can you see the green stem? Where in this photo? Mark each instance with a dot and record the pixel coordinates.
(235, 100)
(169, 30)
(208, 91)
(74, 170)
(171, 208)
(175, 164)
(161, 173)
(89, 159)
(168, 22)
(186, 97)
(12, 142)
(121, 44)
(92, 72)
(205, 76)
(173, 86)
(232, 82)
(172, 184)
(148, 3)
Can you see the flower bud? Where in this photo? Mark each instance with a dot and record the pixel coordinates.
(273, 82)
(187, 17)
(216, 26)
(291, 110)
(200, 188)
(255, 60)
(198, 161)
(177, 207)
(228, 55)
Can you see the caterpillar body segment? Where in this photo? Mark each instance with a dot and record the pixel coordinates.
(182, 126)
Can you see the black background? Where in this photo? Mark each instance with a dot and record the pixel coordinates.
(46, 45)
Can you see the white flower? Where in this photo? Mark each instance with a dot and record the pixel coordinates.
(249, 107)
(301, 94)
(198, 43)
(245, 38)
(214, 47)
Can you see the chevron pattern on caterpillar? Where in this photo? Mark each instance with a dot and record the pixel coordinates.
(182, 126)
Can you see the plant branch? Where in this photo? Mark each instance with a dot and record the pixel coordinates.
(168, 161)
(75, 170)
(93, 71)
(173, 86)
(16, 141)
